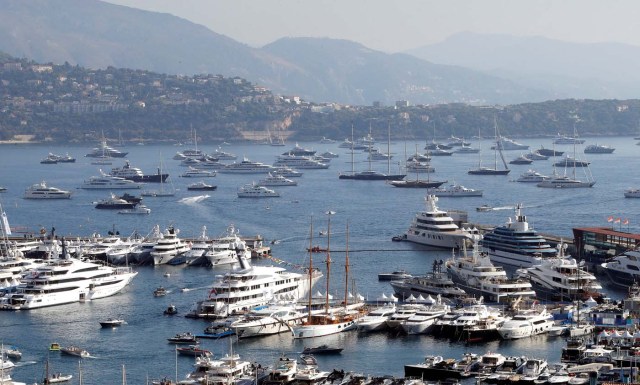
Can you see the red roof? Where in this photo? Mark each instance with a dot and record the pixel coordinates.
(608, 231)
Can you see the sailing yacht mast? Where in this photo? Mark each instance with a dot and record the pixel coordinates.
(346, 271)
(310, 267)
(328, 261)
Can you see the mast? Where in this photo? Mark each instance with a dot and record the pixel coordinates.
(388, 149)
(328, 262)
(499, 147)
(352, 169)
(346, 271)
(310, 267)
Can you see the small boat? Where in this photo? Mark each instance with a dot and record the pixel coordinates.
(160, 292)
(484, 208)
(171, 310)
(201, 186)
(193, 350)
(522, 159)
(308, 359)
(317, 249)
(139, 210)
(112, 323)
(183, 338)
(11, 352)
(394, 276)
(54, 347)
(58, 377)
(217, 330)
(75, 351)
(322, 349)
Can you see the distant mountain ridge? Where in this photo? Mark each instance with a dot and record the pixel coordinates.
(96, 34)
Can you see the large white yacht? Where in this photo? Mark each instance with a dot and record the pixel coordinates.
(504, 143)
(531, 176)
(478, 276)
(276, 180)
(376, 319)
(272, 319)
(423, 320)
(249, 286)
(434, 227)
(169, 247)
(246, 167)
(516, 244)
(227, 249)
(253, 190)
(563, 279)
(108, 182)
(65, 281)
(299, 162)
(527, 323)
(105, 151)
(624, 270)
(42, 191)
(135, 174)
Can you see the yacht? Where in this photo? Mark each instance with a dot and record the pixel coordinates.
(168, 247)
(138, 210)
(419, 167)
(516, 244)
(246, 166)
(253, 190)
(632, 193)
(424, 319)
(436, 146)
(228, 249)
(455, 190)
(300, 151)
(286, 172)
(268, 320)
(477, 275)
(522, 159)
(199, 247)
(376, 154)
(531, 176)
(564, 139)
(568, 161)
(536, 155)
(201, 186)
(299, 162)
(329, 155)
(42, 191)
(434, 227)
(105, 151)
(325, 140)
(223, 155)
(249, 286)
(197, 173)
(135, 174)
(114, 203)
(466, 149)
(435, 283)
(376, 319)
(417, 183)
(371, 175)
(564, 181)
(108, 182)
(504, 143)
(439, 151)
(598, 149)
(549, 152)
(276, 180)
(624, 269)
(66, 281)
(472, 321)
(527, 323)
(562, 279)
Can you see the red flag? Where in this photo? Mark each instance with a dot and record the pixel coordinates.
(610, 219)
(617, 220)
(626, 222)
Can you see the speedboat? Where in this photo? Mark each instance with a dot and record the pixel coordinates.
(201, 186)
(183, 338)
(112, 322)
(42, 191)
(322, 349)
(455, 190)
(193, 350)
(484, 208)
(75, 351)
(255, 191)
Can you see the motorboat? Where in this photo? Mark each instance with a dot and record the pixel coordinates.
(564, 139)
(394, 275)
(193, 172)
(11, 352)
(632, 193)
(246, 166)
(515, 243)
(73, 350)
(42, 191)
(114, 203)
(403, 313)
(326, 140)
(283, 371)
(50, 159)
(193, 350)
(253, 190)
(531, 176)
(435, 227)
(135, 174)
(466, 149)
(108, 182)
(168, 247)
(376, 154)
(276, 180)
(55, 347)
(624, 270)
(598, 149)
(477, 275)
(65, 281)
(57, 378)
(286, 172)
(376, 319)
(201, 186)
(437, 368)
(424, 319)
(329, 155)
(183, 338)
(417, 183)
(522, 159)
(504, 143)
(217, 330)
(455, 141)
(228, 249)
(435, 283)
(536, 155)
(171, 310)
(549, 152)
(484, 208)
(112, 322)
(322, 349)
(526, 323)
(455, 190)
(105, 150)
(268, 320)
(439, 151)
(138, 210)
(568, 161)
(419, 167)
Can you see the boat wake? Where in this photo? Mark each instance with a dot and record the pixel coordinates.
(194, 200)
(185, 289)
(25, 363)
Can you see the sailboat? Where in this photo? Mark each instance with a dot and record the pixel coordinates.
(162, 192)
(371, 174)
(330, 321)
(483, 170)
(417, 183)
(565, 181)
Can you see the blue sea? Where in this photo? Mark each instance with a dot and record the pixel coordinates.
(374, 212)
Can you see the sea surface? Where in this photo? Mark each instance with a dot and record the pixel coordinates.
(372, 210)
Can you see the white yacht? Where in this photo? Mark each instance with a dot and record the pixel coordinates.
(632, 193)
(624, 269)
(300, 151)
(466, 149)
(435, 283)
(65, 281)
(272, 319)
(598, 149)
(434, 227)
(228, 249)
(531, 176)
(564, 139)
(299, 162)
(562, 279)
(249, 286)
(276, 180)
(527, 323)
(516, 244)
(197, 173)
(168, 247)
(478, 276)
(199, 247)
(402, 314)
(105, 150)
(108, 182)
(504, 143)
(419, 167)
(564, 181)
(423, 320)
(140, 209)
(253, 190)
(246, 167)
(135, 174)
(376, 319)
(454, 190)
(223, 155)
(286, 172)
(42, 191)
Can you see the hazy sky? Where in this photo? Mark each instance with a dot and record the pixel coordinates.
(394, 26)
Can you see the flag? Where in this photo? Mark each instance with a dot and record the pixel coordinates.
(5, 224)
(617, 220)
(610, 219)
(626, 222)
